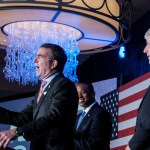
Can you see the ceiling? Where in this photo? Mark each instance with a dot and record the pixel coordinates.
(9, 89)
(96, 22)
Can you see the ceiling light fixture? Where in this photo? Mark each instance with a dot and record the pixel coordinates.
(25, 37)
(92, 26)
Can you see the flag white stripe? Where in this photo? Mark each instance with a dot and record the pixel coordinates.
(120, 141)
(134, 89)
(127, 124)
(129, 107)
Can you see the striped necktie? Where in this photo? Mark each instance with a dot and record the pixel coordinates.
(41, 90)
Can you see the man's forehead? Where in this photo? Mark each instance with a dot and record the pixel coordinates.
(82, 87)
(148, 40)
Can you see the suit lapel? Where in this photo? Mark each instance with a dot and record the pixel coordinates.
(87, 117)
(44, 94)
(145, 96)
(77, 119)
(37, 106)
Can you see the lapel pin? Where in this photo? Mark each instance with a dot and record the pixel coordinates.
(44, 93)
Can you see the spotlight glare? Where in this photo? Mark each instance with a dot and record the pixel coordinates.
(122, 52)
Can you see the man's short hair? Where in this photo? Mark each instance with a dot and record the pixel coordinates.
(147, 34)
(89, 86)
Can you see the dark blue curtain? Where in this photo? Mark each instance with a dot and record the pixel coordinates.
(107, 64)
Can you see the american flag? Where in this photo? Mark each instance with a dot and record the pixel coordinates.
(123, 105)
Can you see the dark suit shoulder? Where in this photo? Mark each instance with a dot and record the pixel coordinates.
(97, 108)
(100, 112)
(62, 79)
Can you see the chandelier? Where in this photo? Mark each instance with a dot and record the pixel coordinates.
(24, 38)
(79, 26)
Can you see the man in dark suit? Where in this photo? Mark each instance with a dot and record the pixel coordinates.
(141, 137)
(94, 131)
(49, 120)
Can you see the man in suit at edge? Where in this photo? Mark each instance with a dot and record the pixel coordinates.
(94, 131)
(48, 124)
(141, 137)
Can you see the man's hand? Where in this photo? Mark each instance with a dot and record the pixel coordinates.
(127, 148)
(7, 136)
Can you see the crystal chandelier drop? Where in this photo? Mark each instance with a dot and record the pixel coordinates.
(24, 39)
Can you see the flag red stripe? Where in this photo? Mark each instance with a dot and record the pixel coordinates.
(126, 132)
(128, 115)
(134, 82)
(119, 148)
(132, 98)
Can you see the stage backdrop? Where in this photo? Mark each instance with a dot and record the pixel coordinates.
(16, 105)
(101, 88)
(123, 104)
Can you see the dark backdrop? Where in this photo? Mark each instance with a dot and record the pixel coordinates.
(107, 64)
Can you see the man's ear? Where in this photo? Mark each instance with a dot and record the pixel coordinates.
(54, 64)
(93, 94)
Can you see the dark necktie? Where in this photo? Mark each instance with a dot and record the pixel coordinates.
(41, 89)
(81, 118)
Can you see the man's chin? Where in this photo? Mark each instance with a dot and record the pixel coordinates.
(38, 75)
(81, 104)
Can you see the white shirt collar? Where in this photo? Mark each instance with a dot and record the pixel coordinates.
(88, 108)
(49, 79)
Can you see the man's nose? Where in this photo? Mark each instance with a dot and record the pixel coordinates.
(79, 95)
(145, 49)
(35, 60)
